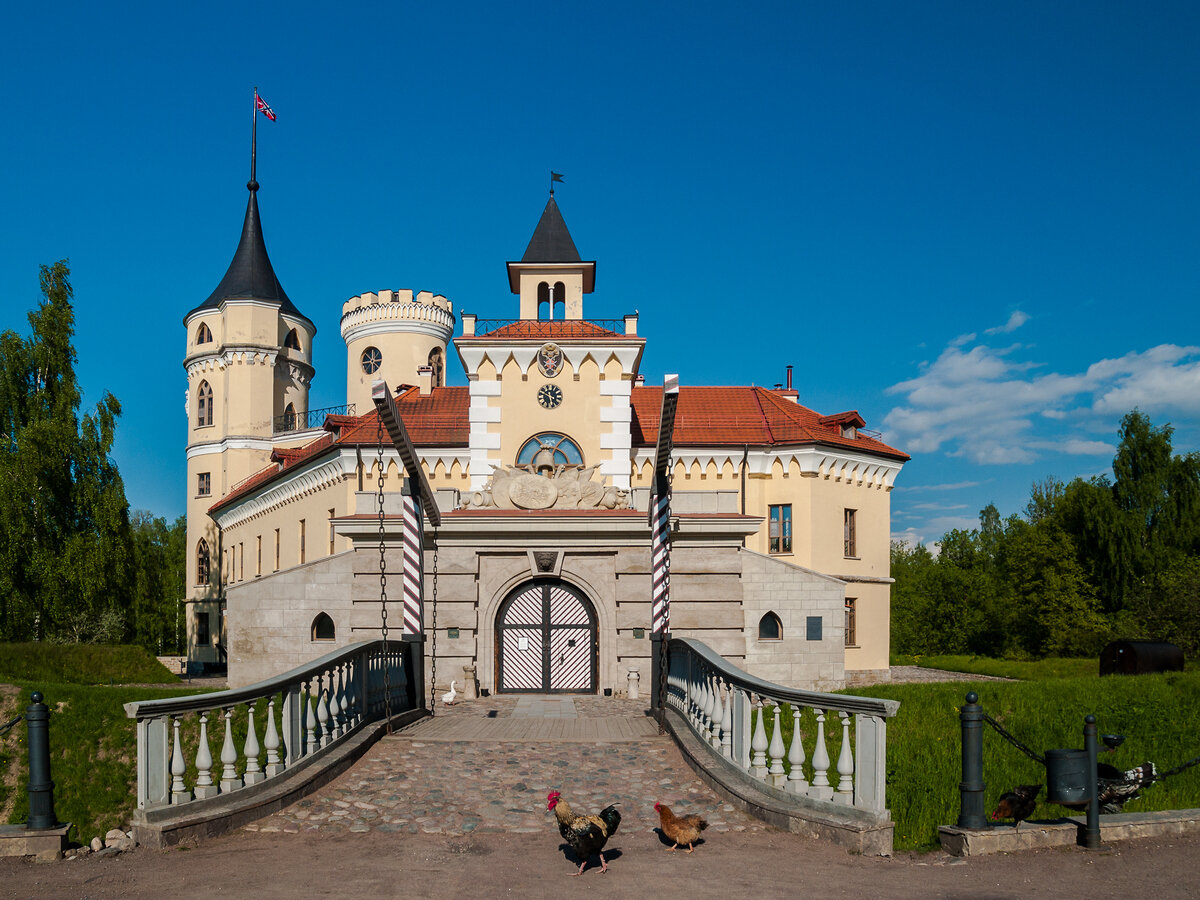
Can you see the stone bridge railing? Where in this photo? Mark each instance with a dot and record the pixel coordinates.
(275, 738)
(768, 747)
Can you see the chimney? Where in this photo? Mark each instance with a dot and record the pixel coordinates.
(425, 379)
(789, 378)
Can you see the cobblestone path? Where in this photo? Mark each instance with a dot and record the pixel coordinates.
(406, 784)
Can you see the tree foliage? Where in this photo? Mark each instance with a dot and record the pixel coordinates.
(1089, 560)
(69, 568)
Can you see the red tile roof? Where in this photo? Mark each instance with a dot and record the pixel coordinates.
(715, 416)
(546, 330)
(705, 417)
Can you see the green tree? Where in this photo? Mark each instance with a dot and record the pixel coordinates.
(65, 544)
(158, 580)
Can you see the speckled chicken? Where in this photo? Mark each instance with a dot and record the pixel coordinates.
(587, 835)
(1017, 804)
(679, 829)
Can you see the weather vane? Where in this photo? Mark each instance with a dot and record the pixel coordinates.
(554, 176)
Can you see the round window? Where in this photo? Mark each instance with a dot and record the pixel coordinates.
(372, 359)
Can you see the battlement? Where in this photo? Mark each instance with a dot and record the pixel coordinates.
(404, 298)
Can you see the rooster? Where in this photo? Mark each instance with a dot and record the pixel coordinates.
(679, 829)
(587, 835)
(1017, 804)
(1116, 788)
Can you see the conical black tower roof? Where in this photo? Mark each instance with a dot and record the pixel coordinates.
(250, 275)
(551, 242)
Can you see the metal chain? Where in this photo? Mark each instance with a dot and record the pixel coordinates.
(1012, 740)
(433, 643)
(1180, 768)
(7, 727)
(664, 654)
(383, 613)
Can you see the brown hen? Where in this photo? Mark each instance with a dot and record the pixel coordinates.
(680, 829)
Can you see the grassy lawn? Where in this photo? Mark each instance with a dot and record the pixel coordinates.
(92, 744)
(1025, 670)
(1156, 713)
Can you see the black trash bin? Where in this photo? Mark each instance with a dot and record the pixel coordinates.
(1068, 777)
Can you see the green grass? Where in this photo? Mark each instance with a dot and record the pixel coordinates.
(81, 664)
(1025, 670)
(1156, 713)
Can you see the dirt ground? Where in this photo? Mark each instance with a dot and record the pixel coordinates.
(536, 865)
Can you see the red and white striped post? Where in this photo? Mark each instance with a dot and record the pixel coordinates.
(660, 544)
(414, 567)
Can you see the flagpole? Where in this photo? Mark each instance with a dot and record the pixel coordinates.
(253, 185)
(551, 182)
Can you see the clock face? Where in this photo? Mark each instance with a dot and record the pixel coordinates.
(549, 395)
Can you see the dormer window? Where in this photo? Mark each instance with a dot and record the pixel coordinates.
(203, 335)
(292, 341)
(849, 431)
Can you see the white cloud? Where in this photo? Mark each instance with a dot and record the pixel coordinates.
(986, 405)
(1015, 321)
(955, 486)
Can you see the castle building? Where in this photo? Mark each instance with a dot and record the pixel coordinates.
(538, 576)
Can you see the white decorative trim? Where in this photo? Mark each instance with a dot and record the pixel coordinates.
(301, 482)
(628, 357)
(577, 355)
(208, 448)
(858, 469)
(472, 358)
(615, 388)
(389, 318)
(523, 357)
(485, 389)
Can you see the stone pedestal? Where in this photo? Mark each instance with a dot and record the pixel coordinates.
(633, 692)
(44, 843)
(469, 691)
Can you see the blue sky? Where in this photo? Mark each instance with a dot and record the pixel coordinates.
(975, 223)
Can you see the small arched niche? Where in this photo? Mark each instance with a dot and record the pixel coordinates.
(323, 628)
(770, 628)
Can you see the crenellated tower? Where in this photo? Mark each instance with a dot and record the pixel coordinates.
(249, 366)
(397, 337)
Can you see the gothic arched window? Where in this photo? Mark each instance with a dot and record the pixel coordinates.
(437, 362)
(203, 335)
(544, 300)
(202, 562)
(323, 628)
(289, 417)
(204, 405)
(564, 449)
(292, 341)
(770, 628)
(559, 306)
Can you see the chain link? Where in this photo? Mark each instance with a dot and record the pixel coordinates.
(1180, 768)
(383, 612)
(1012, 740)
(433, 642)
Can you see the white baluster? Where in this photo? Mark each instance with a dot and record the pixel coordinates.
(727, 722)
(205, 787)
(179, 792)
(271, 742)
(820, 789)
(776, 777)
(229, 776)
(254, 772)
(845, 765)
(353, 714)
(323, 725)
(714, 727)
(340, 703)
(310, 724)
(335, 707)
(758, 746)
(796, 781)
(707, 705)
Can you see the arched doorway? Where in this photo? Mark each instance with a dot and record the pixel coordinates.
(546, 640)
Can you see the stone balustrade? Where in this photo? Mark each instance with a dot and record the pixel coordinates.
(300, 715)
(732, 713)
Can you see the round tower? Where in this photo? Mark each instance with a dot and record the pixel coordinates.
(249, 366)
(397, 337)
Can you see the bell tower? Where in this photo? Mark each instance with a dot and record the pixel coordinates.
(550, 278)
(249, 366)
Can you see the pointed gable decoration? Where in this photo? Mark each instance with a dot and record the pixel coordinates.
(250, 275)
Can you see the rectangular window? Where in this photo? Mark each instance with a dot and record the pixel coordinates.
(202, 635)
(203, 484)
(241, 561)
(780, 529)
(851, 544)
(276, 549)
(258, 556)
(331, 534)
(302, 541)
(851, 632)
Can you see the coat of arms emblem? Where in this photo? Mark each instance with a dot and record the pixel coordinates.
(550, 359)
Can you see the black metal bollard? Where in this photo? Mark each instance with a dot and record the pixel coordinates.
(657, 700)
(971, 811)
(41, 788)
(1091, 835)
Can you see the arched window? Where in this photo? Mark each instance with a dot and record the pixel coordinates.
(202, 562)
(203, 335)
(289, 418)
(770, 628)
(204, 405)
(562, 447)
(544, 302)
(292, 341)
(559, 298)
(437, 362)
(323, 628)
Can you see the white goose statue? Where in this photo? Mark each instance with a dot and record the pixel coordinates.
(448, 697)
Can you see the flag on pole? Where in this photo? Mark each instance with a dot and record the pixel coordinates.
(554, 176)
(263, 107)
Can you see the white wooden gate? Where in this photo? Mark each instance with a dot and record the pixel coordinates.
(546, 640)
